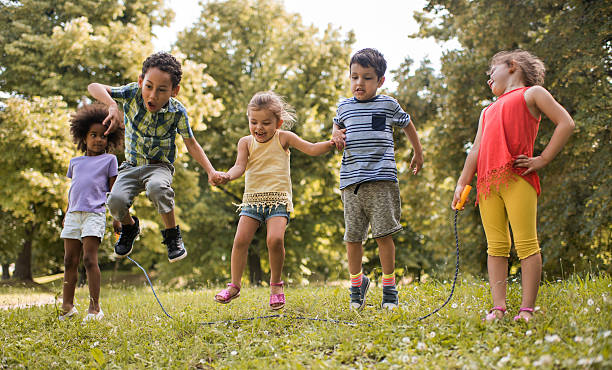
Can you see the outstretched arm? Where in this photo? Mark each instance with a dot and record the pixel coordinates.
(417, 159)
(538, 99)
(196, 151)
(102, 93)
(241, 159)
(470, 166)
(290, 139)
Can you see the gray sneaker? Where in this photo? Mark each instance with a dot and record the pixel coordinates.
(390, 299)
(358, 294)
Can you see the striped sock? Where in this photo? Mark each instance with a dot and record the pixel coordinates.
(357, 279)
(388, 280)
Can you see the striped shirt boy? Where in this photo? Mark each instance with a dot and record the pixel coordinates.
(368, 153)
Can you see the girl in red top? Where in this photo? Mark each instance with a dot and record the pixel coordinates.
(507, 182)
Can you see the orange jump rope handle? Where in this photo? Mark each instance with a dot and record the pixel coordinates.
(464, 195)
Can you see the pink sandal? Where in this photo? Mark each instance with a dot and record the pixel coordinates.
(492, 316)
(518, 317)
(225, 296)
(277, 301)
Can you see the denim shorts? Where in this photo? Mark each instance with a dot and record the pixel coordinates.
(263, 213)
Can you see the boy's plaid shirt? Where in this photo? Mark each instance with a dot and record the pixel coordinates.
(150, 136)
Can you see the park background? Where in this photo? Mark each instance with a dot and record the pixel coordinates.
(50, 50)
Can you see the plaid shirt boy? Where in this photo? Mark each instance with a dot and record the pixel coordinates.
(150, 136)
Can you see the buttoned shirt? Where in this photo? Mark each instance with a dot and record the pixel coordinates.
(150, 136)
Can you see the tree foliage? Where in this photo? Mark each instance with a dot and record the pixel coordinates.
(51, 47)
(573, 39)
(248, 46)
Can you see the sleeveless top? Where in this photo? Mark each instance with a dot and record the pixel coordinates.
(508, 130)
(268, 176)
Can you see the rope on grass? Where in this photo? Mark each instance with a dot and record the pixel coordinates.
(456, 273)
(314, 318)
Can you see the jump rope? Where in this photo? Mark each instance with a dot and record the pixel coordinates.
(458, 207)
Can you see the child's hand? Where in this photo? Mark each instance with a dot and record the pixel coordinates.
(416, 163)
(531, 163)
(218, 178)
(457, 196)
(338, 138)
(117, 226)
(114, 119)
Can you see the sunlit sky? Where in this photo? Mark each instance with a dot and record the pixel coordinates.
(384, 26)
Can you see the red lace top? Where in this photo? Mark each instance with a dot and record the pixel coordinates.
(508, 130)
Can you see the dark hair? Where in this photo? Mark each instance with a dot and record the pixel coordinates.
(84, 118)
(164, 62)
(370, 58)
(532, 67)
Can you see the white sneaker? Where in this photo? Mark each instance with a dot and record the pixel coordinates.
(94, 316)
(73, 311)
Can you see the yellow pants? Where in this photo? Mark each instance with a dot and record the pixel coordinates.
(516, 203)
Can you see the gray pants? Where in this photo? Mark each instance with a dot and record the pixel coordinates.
(155, 179)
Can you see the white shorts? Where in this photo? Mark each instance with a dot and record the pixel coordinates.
(78, 225)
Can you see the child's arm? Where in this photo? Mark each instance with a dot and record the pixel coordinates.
(470, 166)
(116, 223)
(196, 151)
(417, 159)
(241, 159)
(288, 138)
(102, 93)
(338, 136)
(539, 100)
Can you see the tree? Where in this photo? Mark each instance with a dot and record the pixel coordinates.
(572, 37)
(249, 46)
(68, 43)
(34, 140)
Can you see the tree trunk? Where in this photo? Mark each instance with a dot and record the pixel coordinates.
(255, 272)
(5, 271)
(23, 265)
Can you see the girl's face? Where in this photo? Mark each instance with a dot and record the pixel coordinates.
(263, 124)
(95, 140)
(499, 77)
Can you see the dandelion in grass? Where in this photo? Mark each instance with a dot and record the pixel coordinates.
(432, 334)
(552, 338)
(405, 359)
(597, 310)
(111, 352)
(590, 302)
(528, 333)
(495, 350)
(543, 361)
(502, 361)
(606, 333)
(405, 340)
(234, 353)
(454, 305)
(421, 346)
(578, 339)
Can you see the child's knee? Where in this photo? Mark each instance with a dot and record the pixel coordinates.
(161, 194)
(90, 261)
(275, 242)
(71, 262)
(118, 204)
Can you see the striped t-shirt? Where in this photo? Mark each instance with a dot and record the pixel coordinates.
(368, 152)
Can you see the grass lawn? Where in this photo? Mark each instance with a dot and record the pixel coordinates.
(572, 329)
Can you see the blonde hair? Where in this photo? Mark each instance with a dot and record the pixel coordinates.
(274, 103)
(532, 67)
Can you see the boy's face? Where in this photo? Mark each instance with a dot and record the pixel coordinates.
(156, 86)
(364, 81)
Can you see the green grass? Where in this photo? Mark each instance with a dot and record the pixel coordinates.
(572, 329)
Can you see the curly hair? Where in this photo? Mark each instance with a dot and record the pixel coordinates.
(275, 104)
(370, 58)
(164, 62)
(531, 66)
(84, 118)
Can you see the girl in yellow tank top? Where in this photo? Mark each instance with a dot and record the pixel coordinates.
(264, 156)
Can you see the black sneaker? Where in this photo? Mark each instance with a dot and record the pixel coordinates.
(390, 299)
(174, 243)
(358, 294)
(125, 244)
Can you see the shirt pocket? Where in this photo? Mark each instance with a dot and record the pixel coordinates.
(379, 122)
